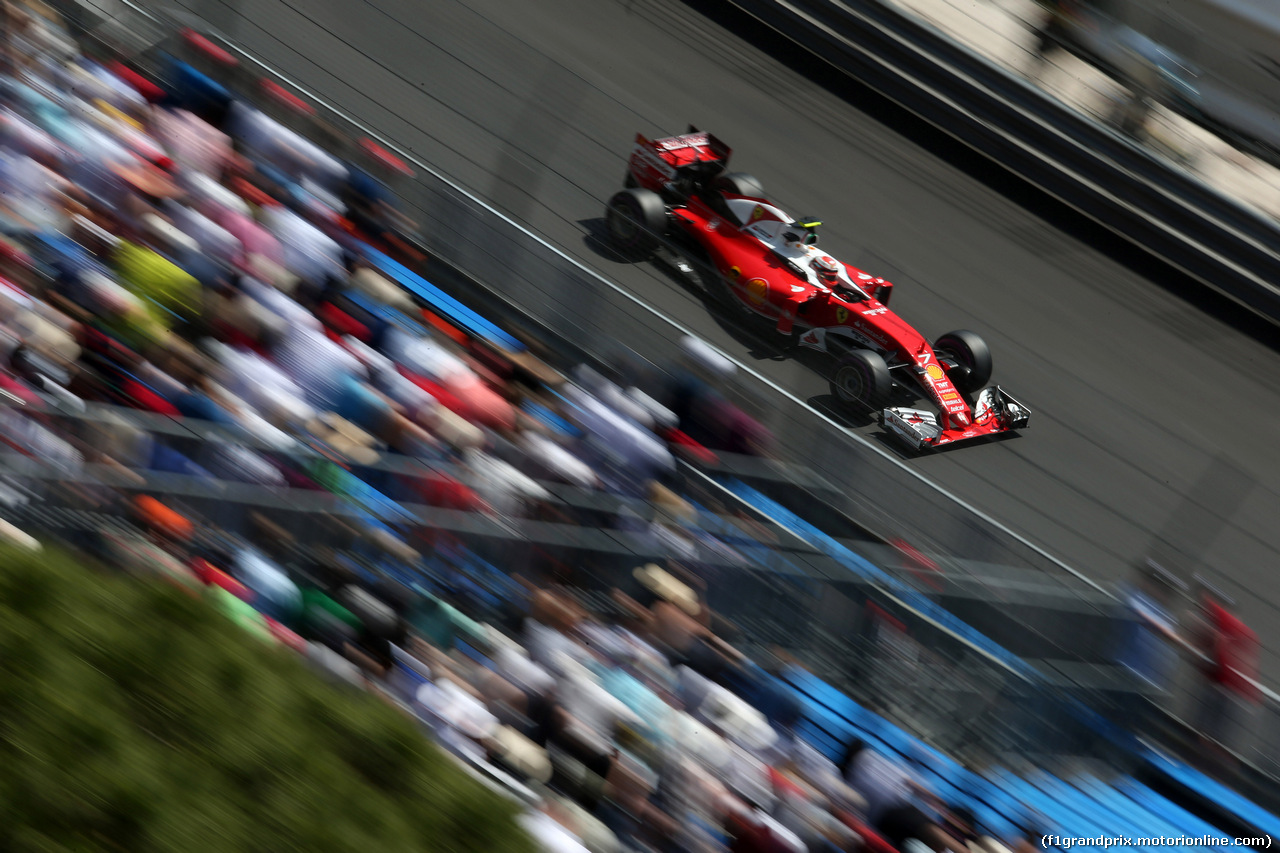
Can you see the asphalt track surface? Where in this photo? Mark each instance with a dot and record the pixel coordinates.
(1155, 412)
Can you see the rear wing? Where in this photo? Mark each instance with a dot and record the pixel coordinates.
(692, 149)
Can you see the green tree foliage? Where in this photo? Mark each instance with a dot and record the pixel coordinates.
(135, 717)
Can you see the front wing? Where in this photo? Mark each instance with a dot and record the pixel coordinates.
(996, 411)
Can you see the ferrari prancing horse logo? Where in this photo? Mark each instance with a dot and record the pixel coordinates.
(842, 313)
(758, 213)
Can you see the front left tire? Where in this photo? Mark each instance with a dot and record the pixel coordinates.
(862, 378)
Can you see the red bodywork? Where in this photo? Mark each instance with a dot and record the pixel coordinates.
(770, 286)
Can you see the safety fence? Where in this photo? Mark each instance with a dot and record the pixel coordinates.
(779, 604)
(874, 639)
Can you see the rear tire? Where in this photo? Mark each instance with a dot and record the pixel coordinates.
(862, 378)
(636, 219)
(739, 183)
(972, 355)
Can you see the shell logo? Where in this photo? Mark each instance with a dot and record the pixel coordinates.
(757, 290)
(935, 372)
(842, 313)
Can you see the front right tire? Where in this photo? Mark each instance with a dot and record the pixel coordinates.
(972, 356)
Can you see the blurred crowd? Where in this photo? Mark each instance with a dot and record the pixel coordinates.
(170, 249)
(632, 728)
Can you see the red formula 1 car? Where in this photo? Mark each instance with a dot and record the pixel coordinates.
(681, 201)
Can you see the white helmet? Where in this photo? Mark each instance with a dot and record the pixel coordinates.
(827, 269)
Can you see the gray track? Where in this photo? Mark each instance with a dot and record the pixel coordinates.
(1140, 400)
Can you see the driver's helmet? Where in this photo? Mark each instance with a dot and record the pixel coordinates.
(827, 270)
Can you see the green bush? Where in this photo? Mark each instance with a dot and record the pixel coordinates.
(135, 717)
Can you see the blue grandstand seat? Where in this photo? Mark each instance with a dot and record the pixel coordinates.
(820, 739)
(864, 568)
(830, 733)
(165, 458)
(195, 91)
(1242, 807)
(1133, 823)
(824, 694)
(893, 737)
(407, 674)
(474, 653)
(441, 302)
(1155, 820)
(1006, 806)
(1061, 818)
(1141, 795)
(549, 419)
(993, 822)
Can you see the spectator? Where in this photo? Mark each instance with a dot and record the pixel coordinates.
(884, 783)
(1229, 665)
(910, 829)
(1147, 649)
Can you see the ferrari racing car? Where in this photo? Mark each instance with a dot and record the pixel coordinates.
(679, 194)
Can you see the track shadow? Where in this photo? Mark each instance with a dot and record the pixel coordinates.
(841, 412)
(597, 241)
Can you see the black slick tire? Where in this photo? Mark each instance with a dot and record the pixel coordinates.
(636, 219)
(972, 356)
(861, 379)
